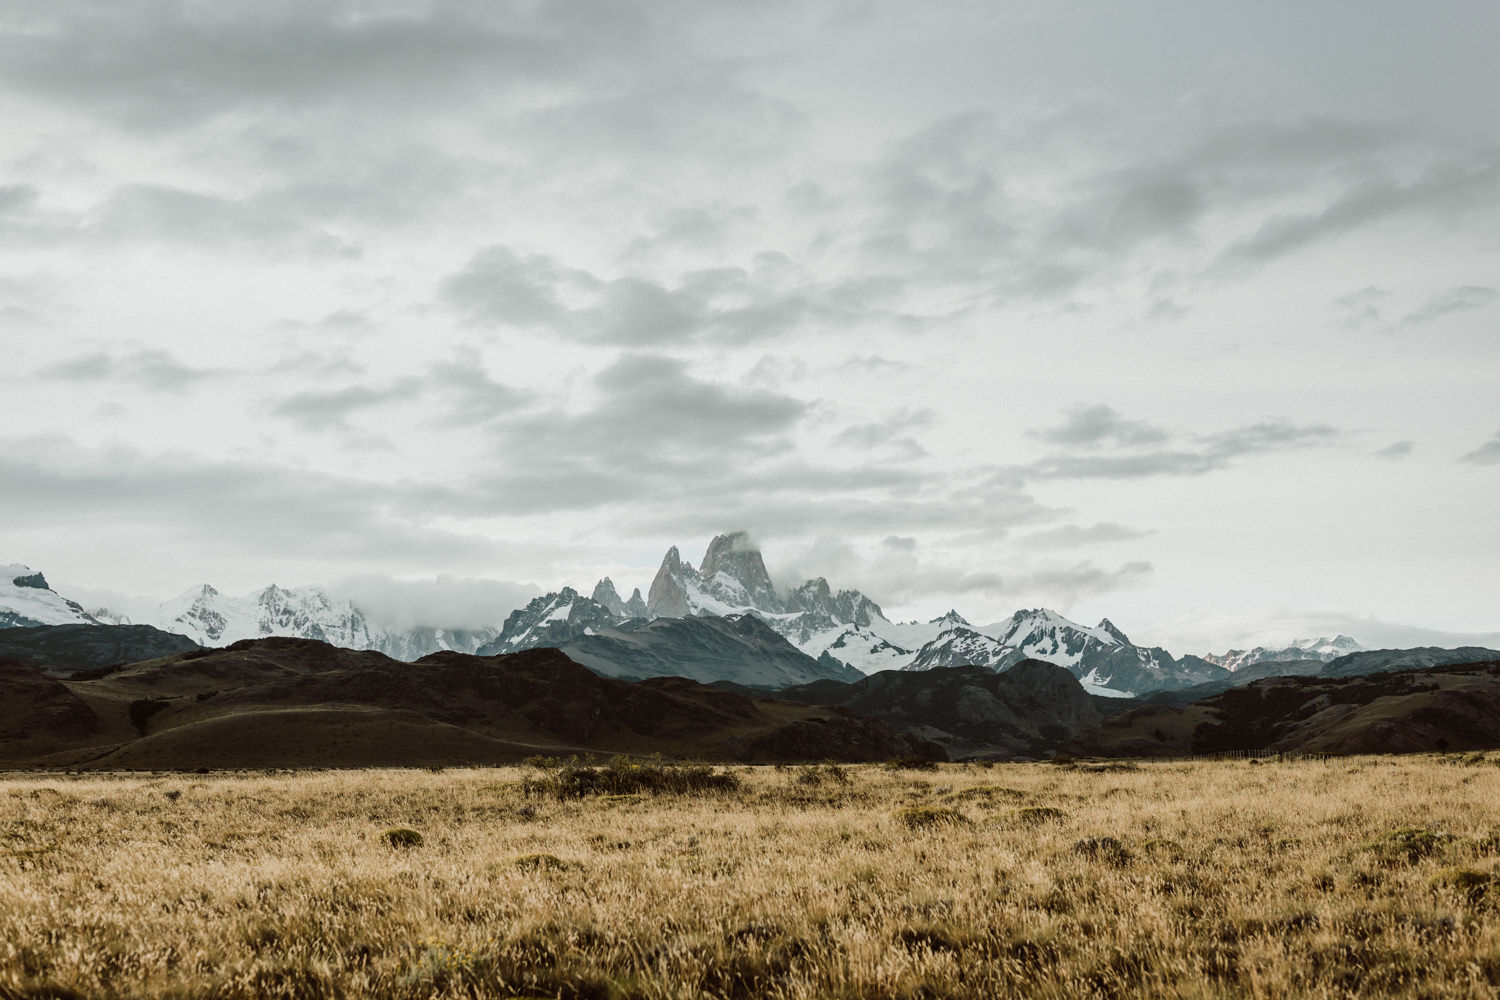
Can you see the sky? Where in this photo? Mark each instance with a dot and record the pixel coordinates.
(1182, 313)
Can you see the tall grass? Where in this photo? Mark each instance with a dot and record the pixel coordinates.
(1177, 880)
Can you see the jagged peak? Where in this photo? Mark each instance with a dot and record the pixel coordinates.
(952, 617)
(32, 580)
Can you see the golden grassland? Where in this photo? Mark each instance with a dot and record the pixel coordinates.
(1370, 876)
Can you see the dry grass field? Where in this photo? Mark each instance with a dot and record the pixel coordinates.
(1370, 876)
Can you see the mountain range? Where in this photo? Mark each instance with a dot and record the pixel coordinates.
(844, 631)
(724, 620)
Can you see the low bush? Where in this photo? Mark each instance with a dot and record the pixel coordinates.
(1469, 883)
(1037, 815)
(401, 837)
(1105, 849)
(1408, 845)
(621, 776)
(924, 817)
(910, 763)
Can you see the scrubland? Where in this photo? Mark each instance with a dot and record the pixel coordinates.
(1362, 876)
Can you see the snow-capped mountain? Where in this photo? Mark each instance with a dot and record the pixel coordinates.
(1322, 648)
(848, 629)
(553, 619)
(27, 600)
(215, 619)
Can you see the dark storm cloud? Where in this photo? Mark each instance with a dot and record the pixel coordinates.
(146, 368)
(1486, 454)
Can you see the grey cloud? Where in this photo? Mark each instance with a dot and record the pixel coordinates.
(331, 409)
(166, 63)
(893, 431)
(1456, 300)
(1446, 190)
(148, 368)
(1080, 580)
(443, 602)
(454, 393)
(1395, 451)
(499, 287)
(1099, 426)
(1486, 454)
(1077, 536)
(225, 509)
(1092, 427)
(1269, 435)
(146, 212)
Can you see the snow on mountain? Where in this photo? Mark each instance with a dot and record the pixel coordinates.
(1322, 648)
(215, 619)
(27, 600)
(556, 618)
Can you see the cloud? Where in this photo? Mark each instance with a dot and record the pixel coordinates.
(168, 64)
(499, 287)
(454, 393)
(1465, 298)
(1486, 454)
(1099, 426)
(892, 432)
(148, 368)
(1441, 191)
(1395, 451)
(446, 602)
(1076, 536)
(201, 508)
(1129, 457)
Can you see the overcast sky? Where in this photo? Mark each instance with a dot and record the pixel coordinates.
(1183, 313)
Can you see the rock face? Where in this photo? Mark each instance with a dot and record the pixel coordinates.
(740, 649)
(551, 620)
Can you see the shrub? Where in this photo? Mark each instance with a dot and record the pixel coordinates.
(923, 817)
(625, 777)
(815, 775)
(1037, 815)
(401, 837)
(1467, 882)
(542, 863)
(911, 762)
(1105, 849)
(1408, 845)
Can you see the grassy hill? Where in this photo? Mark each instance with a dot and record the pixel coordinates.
(283, 702)
(1449, 707)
